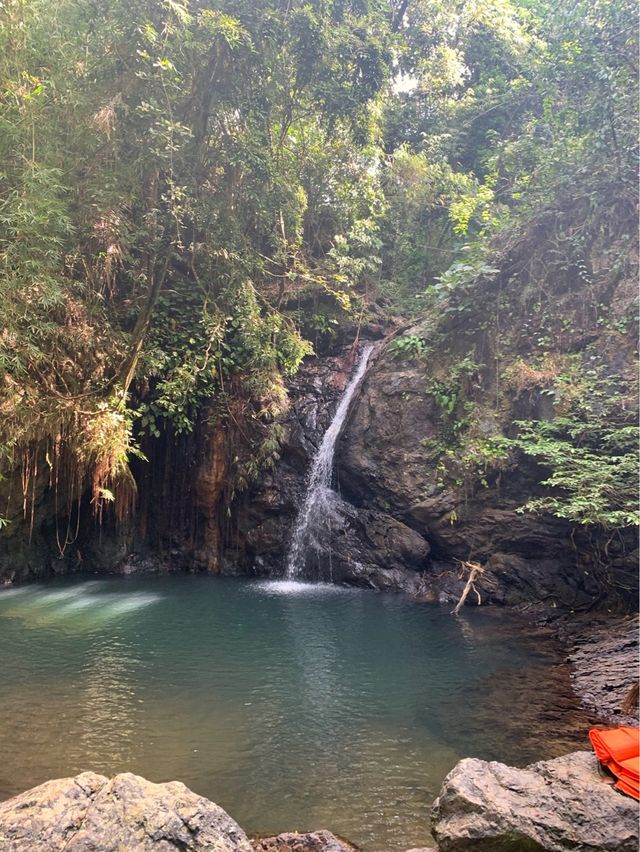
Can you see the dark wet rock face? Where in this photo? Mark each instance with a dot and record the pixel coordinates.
(264, 515)
(370, 548)
(90, 813)
(396, 525)
(382, 463)
(605, 662)
(551, 806)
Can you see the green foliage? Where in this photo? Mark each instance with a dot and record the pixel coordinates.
(408, 347)
(430, 208)
(594, 470)
(468, 460)
(173, 178)
(512, 108)
(187, 190)
(263, 457)
(464, 272)
(453, 394)
(589, 448)
(511, 154)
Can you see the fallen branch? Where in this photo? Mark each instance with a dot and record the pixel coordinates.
(474, 570)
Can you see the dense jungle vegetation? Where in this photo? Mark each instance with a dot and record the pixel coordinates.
(195, 195)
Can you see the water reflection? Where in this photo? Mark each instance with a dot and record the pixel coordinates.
(312, 644)
(81, 607)
(106, 704)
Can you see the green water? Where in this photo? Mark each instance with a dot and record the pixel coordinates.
(292, 707)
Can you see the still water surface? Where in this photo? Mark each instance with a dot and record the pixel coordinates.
(293, 707)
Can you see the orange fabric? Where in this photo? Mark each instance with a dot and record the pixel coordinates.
(630, 768)
(629, 789)
(616, 743)
(619, 750)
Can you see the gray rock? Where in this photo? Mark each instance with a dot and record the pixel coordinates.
(290, 841)
(370, 548)
(90, 813)
(361, 545)
(606, 666)
(552, 806)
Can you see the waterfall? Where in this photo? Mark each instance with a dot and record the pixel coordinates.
(315, 515)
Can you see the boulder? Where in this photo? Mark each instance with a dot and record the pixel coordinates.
(291, 841)
(90, 813)
(551, 806)
(365, 547)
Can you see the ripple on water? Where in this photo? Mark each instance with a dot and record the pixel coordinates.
(131, 603)
(298, 587)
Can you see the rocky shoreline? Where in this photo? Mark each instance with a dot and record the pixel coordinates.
(551, 806)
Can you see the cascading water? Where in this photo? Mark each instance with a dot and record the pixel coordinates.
(313, 523)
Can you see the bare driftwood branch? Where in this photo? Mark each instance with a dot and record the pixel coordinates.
(474, 570)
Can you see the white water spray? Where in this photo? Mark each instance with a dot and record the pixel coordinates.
(314, 517)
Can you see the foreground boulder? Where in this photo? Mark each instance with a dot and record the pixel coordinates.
(551, 806)
(90, 813)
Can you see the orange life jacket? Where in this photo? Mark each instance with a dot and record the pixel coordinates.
(619, 750)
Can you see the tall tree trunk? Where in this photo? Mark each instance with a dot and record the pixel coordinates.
(211, 480)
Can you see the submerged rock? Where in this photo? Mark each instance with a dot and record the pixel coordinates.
(90, 813)
(551, 806)
(291, 841)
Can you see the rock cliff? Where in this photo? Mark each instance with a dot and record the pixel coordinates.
(421, 486)
(367, 546)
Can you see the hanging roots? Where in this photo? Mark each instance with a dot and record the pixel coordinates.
(106, 441)
(74, 453)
